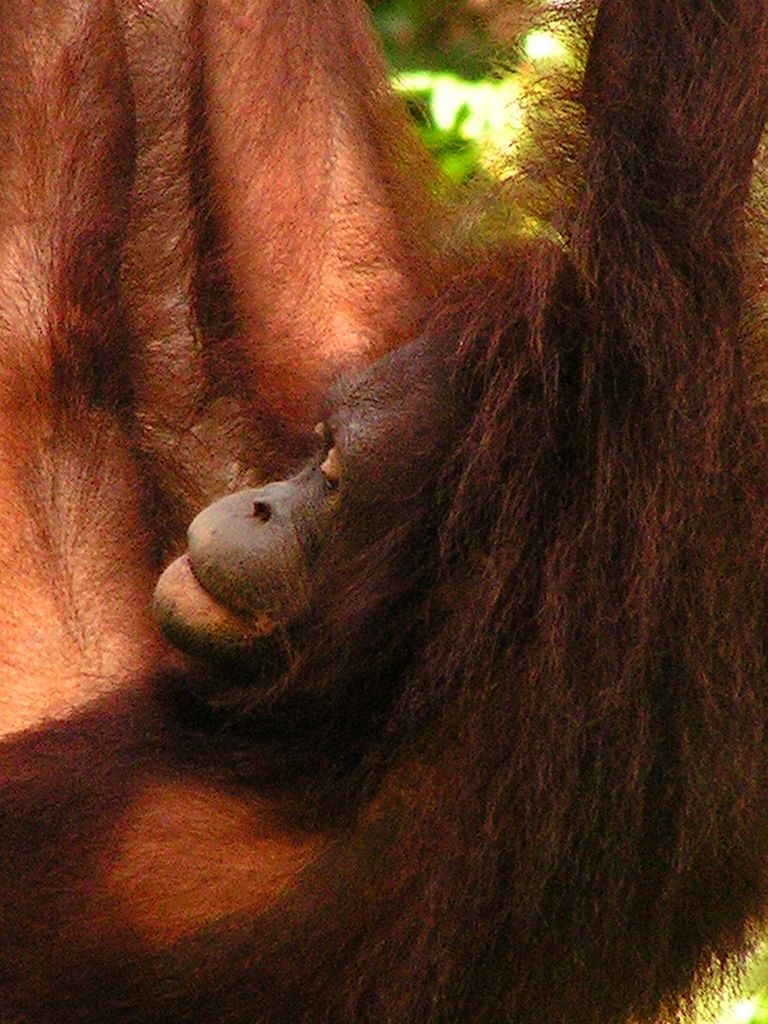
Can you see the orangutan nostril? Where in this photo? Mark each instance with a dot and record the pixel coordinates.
(262, 511)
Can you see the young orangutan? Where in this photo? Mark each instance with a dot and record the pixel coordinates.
(471, 724)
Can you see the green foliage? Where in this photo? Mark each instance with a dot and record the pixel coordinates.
(753, 1010)
(465, 124)
(747, 1011)
(446, 63)
(437, 35)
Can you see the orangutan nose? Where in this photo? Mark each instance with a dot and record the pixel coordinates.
(262, 511)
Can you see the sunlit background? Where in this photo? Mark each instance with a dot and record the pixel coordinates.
(463, 77)
(463, 70)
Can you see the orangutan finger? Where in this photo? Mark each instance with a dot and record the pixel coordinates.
(325, 244)
(196, 419)
(67, 142)
(69, 515)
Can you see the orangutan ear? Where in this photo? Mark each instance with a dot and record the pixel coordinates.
(315, 179)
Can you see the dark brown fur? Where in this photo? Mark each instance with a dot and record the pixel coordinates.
(522, 753)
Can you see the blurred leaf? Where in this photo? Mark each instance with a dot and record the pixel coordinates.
(465, 124)
(440, 35)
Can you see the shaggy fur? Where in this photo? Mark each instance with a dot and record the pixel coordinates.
(529, 715)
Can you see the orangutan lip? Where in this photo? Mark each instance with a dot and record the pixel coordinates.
(199, 582)
(214, 597)
(248, 620)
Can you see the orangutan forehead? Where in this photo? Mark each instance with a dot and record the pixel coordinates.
(416, 372)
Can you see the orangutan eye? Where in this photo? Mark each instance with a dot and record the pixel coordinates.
(331, 468)
(323, 430)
